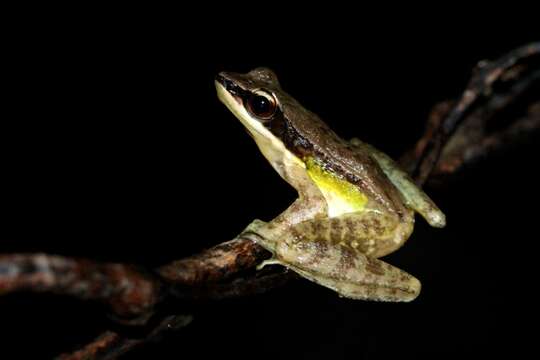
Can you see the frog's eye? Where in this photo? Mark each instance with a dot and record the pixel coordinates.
(261, 104)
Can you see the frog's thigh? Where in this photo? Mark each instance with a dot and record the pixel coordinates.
(348, 272)
(371, 233)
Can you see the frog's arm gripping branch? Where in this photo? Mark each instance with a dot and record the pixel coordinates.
(458, 133)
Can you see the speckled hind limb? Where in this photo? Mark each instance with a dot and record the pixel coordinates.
(332, 253)
(368, 232)
(348, 272)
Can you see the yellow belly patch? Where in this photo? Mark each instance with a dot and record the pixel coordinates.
(342, 196)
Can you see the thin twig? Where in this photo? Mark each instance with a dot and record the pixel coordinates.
(472, 150)
(509, 67)
(110, 345)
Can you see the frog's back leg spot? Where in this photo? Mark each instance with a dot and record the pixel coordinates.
(321, 252)
(310, 253)
(372, 233)
(374, 267)
(347, 262)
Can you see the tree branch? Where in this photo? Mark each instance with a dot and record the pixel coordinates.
(129, 293)
(110, 345)
(215, 264)
(468, 147)
(493, 86)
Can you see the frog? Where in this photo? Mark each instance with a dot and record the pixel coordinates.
(354, 205)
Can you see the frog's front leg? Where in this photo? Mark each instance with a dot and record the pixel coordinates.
(414, 197)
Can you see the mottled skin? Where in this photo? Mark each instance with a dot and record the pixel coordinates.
(334, 233)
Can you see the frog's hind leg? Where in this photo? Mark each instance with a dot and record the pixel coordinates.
(369, 232)
(332, 253)
(348, 272)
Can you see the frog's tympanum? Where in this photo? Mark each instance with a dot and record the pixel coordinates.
(354, 203)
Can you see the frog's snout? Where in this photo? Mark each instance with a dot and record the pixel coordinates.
(223, 80)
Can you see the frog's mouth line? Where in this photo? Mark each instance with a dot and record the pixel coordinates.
(234, 102)
(272, 147)
(237, 92)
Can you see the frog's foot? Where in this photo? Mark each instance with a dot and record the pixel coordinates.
(349, 272)
(260, 233)
(253, 230)
(254, 227)
(272, 261)
(396, 286)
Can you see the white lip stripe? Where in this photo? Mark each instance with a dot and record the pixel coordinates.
(240, 112)
(263, 137)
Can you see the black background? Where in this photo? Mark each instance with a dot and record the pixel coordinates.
(114, 147)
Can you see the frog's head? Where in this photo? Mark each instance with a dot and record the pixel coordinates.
(253, 98)
(266, 111)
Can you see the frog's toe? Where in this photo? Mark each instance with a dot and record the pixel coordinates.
(254, 226)
(253, 231)
(409, 290)
(271, 261)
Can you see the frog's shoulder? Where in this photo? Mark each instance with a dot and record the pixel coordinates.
(308, 135)
(358, 167)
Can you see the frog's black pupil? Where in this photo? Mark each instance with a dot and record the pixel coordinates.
(260, 105)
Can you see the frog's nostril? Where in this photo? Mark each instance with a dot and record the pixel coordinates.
(227, 84)
(219, 78)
